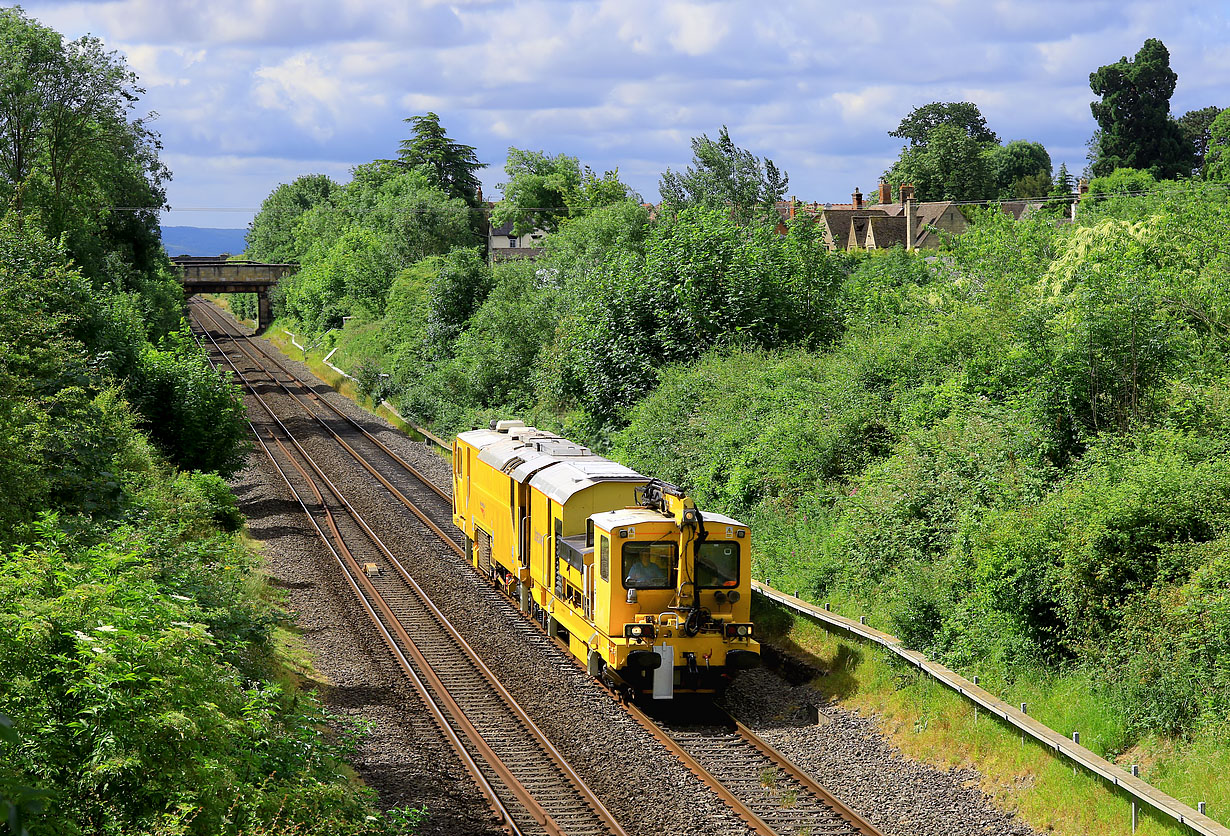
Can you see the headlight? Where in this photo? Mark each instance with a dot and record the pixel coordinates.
(739, 631)
(639, 631)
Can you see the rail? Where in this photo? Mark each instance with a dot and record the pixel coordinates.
(436, 694)
(1133, 786)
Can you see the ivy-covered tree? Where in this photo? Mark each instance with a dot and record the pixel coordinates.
(449, 166)
(1133, 115)
(726, 177)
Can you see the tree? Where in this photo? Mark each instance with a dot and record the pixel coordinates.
(271, 235)
(1134, 115)
(68, 146)
(921, 121)
(950, 165)
(1217, 158)
(538, 192)
(1196, 126)
(726, 178)
(449, 166)
(1064, 185)
(1020, 169)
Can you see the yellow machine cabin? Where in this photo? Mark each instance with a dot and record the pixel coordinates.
(650, 593)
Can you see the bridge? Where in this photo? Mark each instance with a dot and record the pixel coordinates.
(216, 274)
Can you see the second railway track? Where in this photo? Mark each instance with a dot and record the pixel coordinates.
(770, 794)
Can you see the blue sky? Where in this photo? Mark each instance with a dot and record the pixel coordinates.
(253, 93)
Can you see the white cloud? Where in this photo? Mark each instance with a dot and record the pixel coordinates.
(627, 83)
(697, 29)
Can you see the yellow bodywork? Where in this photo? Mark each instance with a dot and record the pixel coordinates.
(550, 521)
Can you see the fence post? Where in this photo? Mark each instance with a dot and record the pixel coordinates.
(862, 619)
(1076, 738)
(1200, 808)
(975, 704)
(1024, 710)
(826, 606)
(1135, 774)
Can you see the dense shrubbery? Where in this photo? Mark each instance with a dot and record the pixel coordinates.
(1017, 448)
(133, 646)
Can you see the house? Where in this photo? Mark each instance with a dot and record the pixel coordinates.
(879, 226)
(503, 245)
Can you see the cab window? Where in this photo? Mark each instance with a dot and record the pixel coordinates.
(717, 564)
(649, 565)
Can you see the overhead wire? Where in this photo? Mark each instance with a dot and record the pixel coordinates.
(582, 209)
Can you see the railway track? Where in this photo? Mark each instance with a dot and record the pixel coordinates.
(764, 788)
(769, 793)
(528, 784)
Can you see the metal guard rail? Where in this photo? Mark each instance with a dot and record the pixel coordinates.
(1045, 735)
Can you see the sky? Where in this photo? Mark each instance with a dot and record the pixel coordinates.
(254, 93)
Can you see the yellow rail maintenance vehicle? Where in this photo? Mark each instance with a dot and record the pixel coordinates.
(652, 595)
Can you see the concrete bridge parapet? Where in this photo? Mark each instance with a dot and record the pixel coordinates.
(220, 275)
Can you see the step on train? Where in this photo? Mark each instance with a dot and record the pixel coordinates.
(650, 593)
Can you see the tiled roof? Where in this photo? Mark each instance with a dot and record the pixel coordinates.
(886, 231)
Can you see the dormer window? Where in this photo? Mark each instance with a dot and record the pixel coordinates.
(512, 242)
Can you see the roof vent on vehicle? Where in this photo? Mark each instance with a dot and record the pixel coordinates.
(505, 426)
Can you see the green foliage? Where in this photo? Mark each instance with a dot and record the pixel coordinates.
(271, 235)
(1064, 184)
(69, 145)
(1020, 169)
(1128, 181)
(1196, 126)
(448, 165)
(726, 178)
(121, 655)
(191, 410)
(545, 192)
(951, 165)
(921, 121)
(460, 286)
(538, 191)
(1133, 116)
(385, 220)
(705, 281)
(1217, 158)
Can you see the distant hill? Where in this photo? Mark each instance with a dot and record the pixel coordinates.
(197, 240)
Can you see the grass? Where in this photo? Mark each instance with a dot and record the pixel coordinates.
(314, 360)
(931, 723)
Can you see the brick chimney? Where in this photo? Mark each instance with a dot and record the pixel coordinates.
(907, 192)
(886, 192)
(857, 198)
(792, 202)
